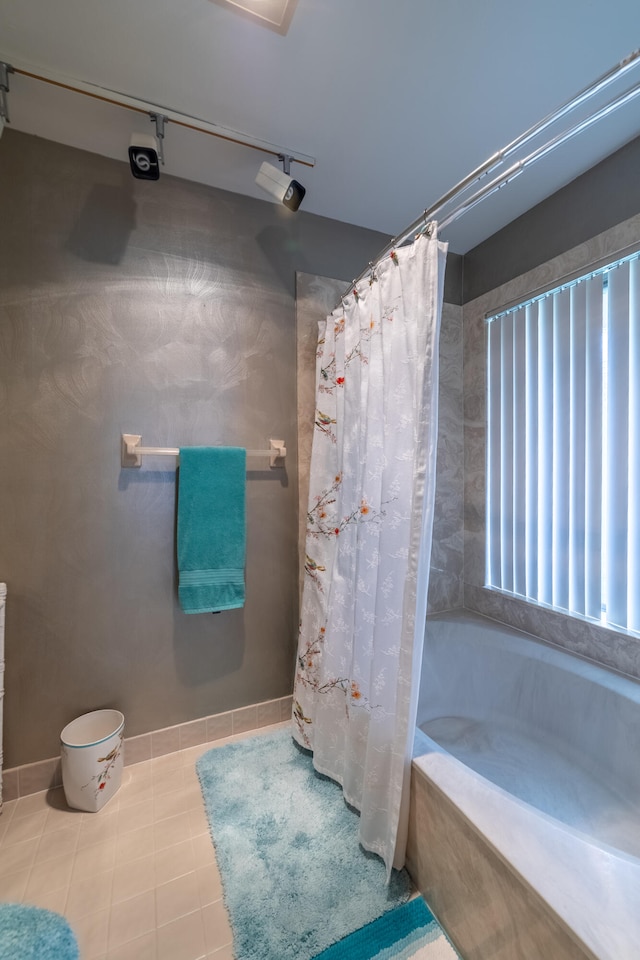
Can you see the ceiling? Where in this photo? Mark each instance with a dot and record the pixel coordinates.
(396, 101)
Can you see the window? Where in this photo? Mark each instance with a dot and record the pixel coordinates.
(563, 447)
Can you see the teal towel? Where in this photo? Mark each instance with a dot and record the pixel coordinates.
(211, 528)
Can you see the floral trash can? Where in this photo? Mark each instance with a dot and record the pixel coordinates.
(92, 757)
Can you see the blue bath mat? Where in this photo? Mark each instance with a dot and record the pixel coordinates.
(29, 933)
(409, 932)
(294, 876)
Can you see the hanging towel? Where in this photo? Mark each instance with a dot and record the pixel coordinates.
(211, 528)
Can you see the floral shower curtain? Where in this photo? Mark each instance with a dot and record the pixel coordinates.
(368, 543)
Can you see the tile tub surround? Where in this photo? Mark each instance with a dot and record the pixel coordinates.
(447, 550)
(137, 881)
(46, 774)
(525, 785)
(488, 911)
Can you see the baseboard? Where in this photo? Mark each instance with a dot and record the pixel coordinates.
(46, 774)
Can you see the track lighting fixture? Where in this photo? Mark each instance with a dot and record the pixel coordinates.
(5, 70)
(146, 152)
(280, 184)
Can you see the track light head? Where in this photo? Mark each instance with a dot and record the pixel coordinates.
(144, 157)
(146, 152)
(280, 184)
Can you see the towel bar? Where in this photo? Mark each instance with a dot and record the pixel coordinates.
(131, 451)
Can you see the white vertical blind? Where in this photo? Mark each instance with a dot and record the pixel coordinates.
(577, 452)
(531, 449)
(507, 376)
(633, 545)
(494, 463)
(593, 453)
(519, 456)
(545, 450)
(563, 447)
(617, 461)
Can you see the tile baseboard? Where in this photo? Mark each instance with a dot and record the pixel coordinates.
(47, 774)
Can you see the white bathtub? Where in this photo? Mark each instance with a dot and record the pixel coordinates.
(539, 753)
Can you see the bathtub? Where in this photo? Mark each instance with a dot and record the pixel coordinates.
(525, 796)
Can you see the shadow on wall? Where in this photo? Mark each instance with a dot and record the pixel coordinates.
(282, 247)
(207, 644)
(49, 623)
(107, 219)
(131, 476)
(279, 474)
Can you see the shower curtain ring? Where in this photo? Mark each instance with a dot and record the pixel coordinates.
(425, 229)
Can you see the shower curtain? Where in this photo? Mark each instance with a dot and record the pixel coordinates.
(368, 542)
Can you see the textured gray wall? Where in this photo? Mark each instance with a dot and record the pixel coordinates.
(165, 309)
(447, 549)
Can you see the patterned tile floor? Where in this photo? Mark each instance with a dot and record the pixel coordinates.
(138, 880)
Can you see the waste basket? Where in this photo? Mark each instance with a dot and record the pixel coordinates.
(92, 758)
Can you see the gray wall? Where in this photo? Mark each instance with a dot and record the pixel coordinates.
(604, 196)
(165, 309)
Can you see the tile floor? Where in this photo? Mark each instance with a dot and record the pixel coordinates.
(139, 879)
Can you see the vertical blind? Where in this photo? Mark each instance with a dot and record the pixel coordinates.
(563, 447)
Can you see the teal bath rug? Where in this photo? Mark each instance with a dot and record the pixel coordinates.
(294, 877)
(409, 932)
(29, 933)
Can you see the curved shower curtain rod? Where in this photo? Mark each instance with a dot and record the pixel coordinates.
(422, 223)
